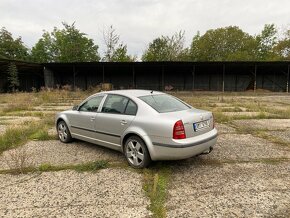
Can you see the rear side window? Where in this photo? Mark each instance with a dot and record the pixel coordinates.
(131, 108)
(115, 104)
(164, 103)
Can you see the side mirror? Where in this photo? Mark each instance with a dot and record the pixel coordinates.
(75, 108)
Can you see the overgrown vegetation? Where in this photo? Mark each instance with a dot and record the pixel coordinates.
(22, 104)
(156, 181)
(19, 135)
(85, 167)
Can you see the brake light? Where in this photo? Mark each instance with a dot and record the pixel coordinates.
(178, 130)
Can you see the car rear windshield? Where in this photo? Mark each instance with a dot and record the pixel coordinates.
(164, 103)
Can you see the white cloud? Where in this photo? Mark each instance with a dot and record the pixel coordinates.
(139, 21)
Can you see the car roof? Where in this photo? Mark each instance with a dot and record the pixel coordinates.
(133, 92)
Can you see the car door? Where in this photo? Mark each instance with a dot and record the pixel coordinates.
(82, 121)
(116, 116)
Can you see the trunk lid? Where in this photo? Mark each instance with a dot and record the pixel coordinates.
(195, 121)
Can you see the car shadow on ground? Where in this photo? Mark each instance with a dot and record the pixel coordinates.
(98, 149)
(117, 155)
(195, 162)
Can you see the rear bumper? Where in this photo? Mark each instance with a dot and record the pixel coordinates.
(185, 148)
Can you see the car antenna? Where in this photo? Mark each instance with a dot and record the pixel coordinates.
(151, 92)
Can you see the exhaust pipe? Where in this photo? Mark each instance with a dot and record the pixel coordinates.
(207, 152)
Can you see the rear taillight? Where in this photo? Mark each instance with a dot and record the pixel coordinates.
(213, 123)
(178, 130)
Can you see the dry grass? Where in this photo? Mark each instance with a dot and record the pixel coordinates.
(22, 104)
(23, 101)
(17, 135)
(18, 160)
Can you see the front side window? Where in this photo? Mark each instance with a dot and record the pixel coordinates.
(92, 104)
(164, 103)
(115, 104)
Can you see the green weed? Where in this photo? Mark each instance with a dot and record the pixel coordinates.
(18, 135)
(46, 167)
(155, 185)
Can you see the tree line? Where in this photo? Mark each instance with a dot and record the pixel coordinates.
(69, 44)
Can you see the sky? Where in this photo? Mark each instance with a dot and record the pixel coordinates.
(138, 22)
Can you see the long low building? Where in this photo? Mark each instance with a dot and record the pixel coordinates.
(182, 76)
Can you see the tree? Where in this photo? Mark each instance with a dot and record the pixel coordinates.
(12, 77)
(266, 41)
(177, 51)
(282, 48)
(166, 48)
(44, 49)
(223, 44)
(115, 51)
(12, 48)
(157, 50)
(120, 55)
(65, 45)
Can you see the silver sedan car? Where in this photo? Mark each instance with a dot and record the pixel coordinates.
(144, 125)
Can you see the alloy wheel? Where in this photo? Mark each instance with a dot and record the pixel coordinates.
(62, 132)
(134, 152)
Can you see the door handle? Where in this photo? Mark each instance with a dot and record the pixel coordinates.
(123, 122)
(93, 118)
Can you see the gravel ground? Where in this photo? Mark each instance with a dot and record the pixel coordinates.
(282, 135)
(57, 153)
(107, 193)
(239, 147)
(230, 190)
(269, 124)
(224, 129)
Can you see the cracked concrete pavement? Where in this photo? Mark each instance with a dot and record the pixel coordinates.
(244, 176)
(106, 193)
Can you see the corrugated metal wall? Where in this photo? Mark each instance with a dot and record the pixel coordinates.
(207, 76)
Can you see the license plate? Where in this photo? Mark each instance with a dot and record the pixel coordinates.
(201, 125)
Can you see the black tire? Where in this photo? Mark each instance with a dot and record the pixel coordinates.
(63, 132)
(136, 152)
